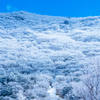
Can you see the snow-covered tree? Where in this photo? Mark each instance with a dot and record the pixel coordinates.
(89, 87)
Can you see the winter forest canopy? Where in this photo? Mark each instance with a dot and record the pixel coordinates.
(37, 50)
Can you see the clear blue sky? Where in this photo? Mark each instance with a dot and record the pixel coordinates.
(71, 8)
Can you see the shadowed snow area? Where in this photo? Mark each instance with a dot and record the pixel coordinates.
(36, 50)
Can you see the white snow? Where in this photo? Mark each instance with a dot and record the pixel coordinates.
(52, 91)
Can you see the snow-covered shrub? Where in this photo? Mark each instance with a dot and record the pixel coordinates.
(36, 93)
(66, 22)
(37, 89)
(9, 84)
(5, 79)
(63, 89)
(60, 82)
(40, 92)
(66, 92)
(60, 78)
(42, 84)
(2, 71)
(24, 69)
(16, 87)
(6, 91)
(44, 78)
(6, 98)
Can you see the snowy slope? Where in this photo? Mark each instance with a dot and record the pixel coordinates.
(35, 48)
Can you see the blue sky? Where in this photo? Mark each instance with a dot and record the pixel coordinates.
(71, 8)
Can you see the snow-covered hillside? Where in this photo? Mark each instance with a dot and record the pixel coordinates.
(36, 50)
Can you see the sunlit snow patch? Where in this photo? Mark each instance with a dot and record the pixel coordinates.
(52, 92)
